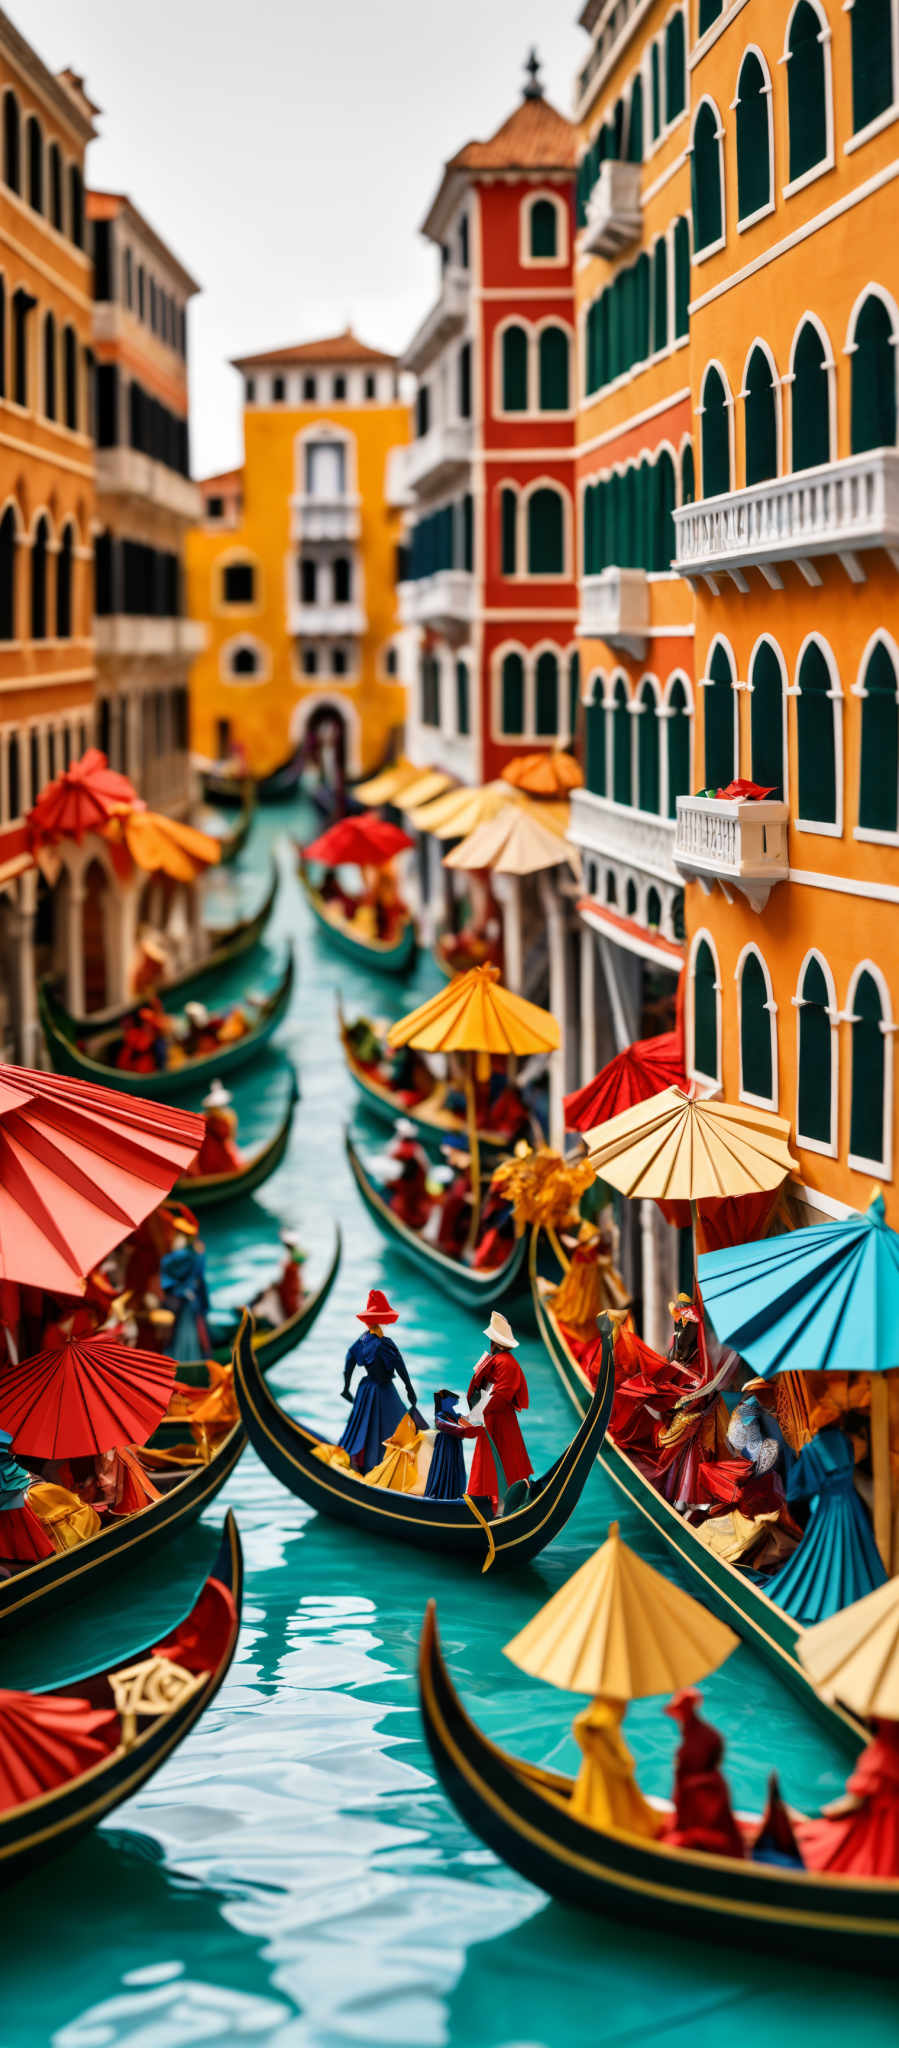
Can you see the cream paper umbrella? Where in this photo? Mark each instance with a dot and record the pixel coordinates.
(621, 1631)
(853, 1656)
(388, 785)
(515, 842)
(428, 784)
(460, 810)
(673, 1148)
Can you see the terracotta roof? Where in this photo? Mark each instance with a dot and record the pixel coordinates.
(224, 476)
(335, 348)
(535, 138)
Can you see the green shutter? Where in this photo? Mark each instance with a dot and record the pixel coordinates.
(766, 718)
(468, 532)
(635, 129)
(811, 401)
(509, 523)
(715, 437)
(753, 152)
(806, 90)
(879, 780)
(641, 308)
(705, 176)
(464, 375)
(595, 745)
(755, 1031)
(664, 497)
(687, 476)
(761, 420)
(871, 26)
(553, 362)
(653, 909)
(648, 751)
(588, 544)
(463, 725)
(681, 277)
(873, 378)
(622, 789)
(660, 295)
(574, 692)
(866, 1124)
(675, 68)
(546, 541)
(677, 740)
(547, 716)
(513, 696)
(544, 236)
(718, 707)
(647, 514)
(655, 77)
(515, 369)
(705, 1013)
(816, 745)
(813, 1117)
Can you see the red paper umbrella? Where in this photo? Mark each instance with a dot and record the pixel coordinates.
(80, 1167)
(641, 1070)
(366, 841)
(88, 1395)
(741, 790)
(47, 1738)
(82, 799)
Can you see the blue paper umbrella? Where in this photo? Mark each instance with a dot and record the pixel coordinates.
(824, 1299)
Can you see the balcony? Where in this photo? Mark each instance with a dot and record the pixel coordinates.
(636, 839)
(446, 320)
(326, 621)
(439, 456)
(131, 475)
(615, 608)
(326, 518)
(842, 508)
(444, 601)
(122, 637)
(614, 209)
(741, 845)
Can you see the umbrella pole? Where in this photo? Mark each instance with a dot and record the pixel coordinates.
(474, 1154)
(880, 1464)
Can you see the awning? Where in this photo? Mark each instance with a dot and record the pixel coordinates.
(631, 936)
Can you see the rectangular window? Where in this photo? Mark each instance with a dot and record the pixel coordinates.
(340, 387)
(239, 583)
(465, 381)
(215, 508)
(107, 405)
(509, 532)
(310, 390)
(422, 410)
(463, 726)
(370, 387)
(250, 392)
(325, 469)
(279, 390)
(339, 663)
(129, 278)
(310, 661)
(102, 260)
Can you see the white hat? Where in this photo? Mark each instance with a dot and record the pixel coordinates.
(197, 1012)
(405, 1128)
(498, 1331)
(292, 1239)
(218, 1097)
(256, 997)
(442, 1176)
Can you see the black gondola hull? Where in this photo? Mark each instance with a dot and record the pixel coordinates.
(476, 1290)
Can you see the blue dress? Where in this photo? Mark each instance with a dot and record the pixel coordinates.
(377, 1408)
(182, 1275)
(446, 1477)
(838, 1560)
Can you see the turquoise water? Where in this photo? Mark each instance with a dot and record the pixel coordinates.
(294, 1877)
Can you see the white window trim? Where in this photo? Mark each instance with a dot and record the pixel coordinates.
(563, 254)
(712, 1081)
(230, 648)
(767, 639)
(524, 575)
(828, 161)
(829, 1150)
(529, 657)
(745, 1095)
(881, 1167)
(533, 412)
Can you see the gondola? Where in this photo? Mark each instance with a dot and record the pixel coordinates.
(430, 1117)
(523, 1813)
(66, 1056)
(232, 843)
(269, 1345)
(43, 1826)
(209, 1190)
(392, 956)
(220, 787)
(475, 1290)
(453, 1527)
(723, 1589)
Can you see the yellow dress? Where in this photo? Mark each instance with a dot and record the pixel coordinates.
(591, 1285)
(405, 1465)
(606, 1793)
(67, 1520)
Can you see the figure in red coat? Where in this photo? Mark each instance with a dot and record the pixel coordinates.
(703, 1817)
(858, 1835)
(218, 1152)
(408, 1197)
(498, 1390)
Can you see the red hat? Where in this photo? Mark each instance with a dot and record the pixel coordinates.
(687, 1697)
(377, 1309)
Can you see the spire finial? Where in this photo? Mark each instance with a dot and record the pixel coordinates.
(533, 89)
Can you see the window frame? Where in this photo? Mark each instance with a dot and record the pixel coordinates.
(234, 557)
(228, 653)
(810, 319)
(823, 828)
(562, 256)
(825, 163)
(883, 1168)
(824, 1150)
(745, 1094)
(744, 222)
(873, 290)
(712, 1083)
(777, 387)
(529, 657)
(713, 248)
(768, 640)
(873, 835)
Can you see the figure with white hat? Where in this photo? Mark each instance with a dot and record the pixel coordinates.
(201, 1036)
(497, 1393)
(218, 1152)
(408, 1197)
(286, 1295)
(377, 1408)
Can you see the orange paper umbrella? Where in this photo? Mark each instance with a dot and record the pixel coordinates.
(80, 1167)
(544, 774)
(366, 841)
(89, 1395)
(160, 845)
(47, 1738)
(82, 799)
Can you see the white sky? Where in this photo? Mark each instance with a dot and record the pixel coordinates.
(288, 152)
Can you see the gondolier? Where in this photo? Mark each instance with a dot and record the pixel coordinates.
(497, 1392)
(218, 1152)
(377, 1408)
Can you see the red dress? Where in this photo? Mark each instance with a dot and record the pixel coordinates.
(703, 1818)
(218, 1152)
(408, 1196)
(864, 1843)
(508, 1392)
(290, 1288)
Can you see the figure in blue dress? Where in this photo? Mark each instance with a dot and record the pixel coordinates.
(377, 1408)
(446, 1475)
(838, 1560)
(182, 1275)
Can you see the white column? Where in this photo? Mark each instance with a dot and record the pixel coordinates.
(588, 1004)
(513, 944)
(558, 989)
(649, 1264)
(623, 1036)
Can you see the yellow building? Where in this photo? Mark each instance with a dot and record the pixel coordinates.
(292, 571)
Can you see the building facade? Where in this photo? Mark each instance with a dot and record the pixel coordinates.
(292, 570)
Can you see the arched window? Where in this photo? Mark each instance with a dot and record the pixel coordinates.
(552, 355)
(708, 199)
(705, 1013)
(675, 67)
(104, 576)
(664, 497)
(715, 435)
(816, 739)
(512, 707)
(622, 788)
(867, 1122)
(687, 475)
(753, 138)
(878, 797)
(677, 738)
(635, 126)
(515, 369)
(655, 81)
(681, 277)
(811, 398)
(574, 692)
(76, 206)
(648, 749)
(544, 244)
(546, 533)
(12, 142)
(509, 531)
(719, 720)
(54, 160)
(49, 367)
(660, 294)
(871, 27)
(64, 565)
(766, 719)
(631, 899)
(588, 523)
(814, 1109)
(35, 164)
(595, 742)
(756, 1051)
(8, 575)
(806, 89)
(39, 579)
(653, 909)
(70, 377)
(761, 419)
(873, 377)
(547, 713)
(463, 714)
(244, 661)
(709, 11)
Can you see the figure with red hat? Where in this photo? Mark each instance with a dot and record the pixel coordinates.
(408, 1197)
(218, 1152)
(497, 1392)
(144, 1047)
(377, 1408)
(703, 1816)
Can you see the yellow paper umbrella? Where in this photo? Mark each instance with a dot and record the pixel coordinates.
(515, 842)
(387, 786)
(853, 1656)
(459, 811)
(475, 1014)
(428, 784)
(551, 774)
(621, 1630)
(673, 1148)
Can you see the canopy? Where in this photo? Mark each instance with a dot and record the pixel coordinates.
(474, 1013)
(387, 786)
(88, 1395)
(853, 1656)
(620, 1629)
(676, 1149)
(544, 774)
(82, 799)
(429, 783)
(46, 1739)
(457, 813)
(80, 1167)
(363, 841)
(825, 1299)
(514, 842)
(642, 1070)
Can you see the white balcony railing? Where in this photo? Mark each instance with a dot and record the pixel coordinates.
(444, 600)
(122, 637)
(438, 456)
(841, 508)
(615, 607)
(445, 320)
(326, 621)
(741, 845)
(130, 475)
(333, 518)
(614, 209)
(610, 831)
